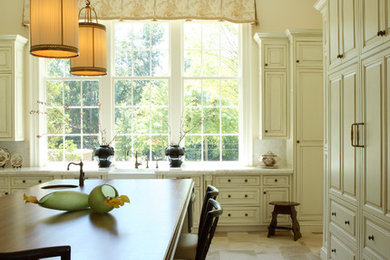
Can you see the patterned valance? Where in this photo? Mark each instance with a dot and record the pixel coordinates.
(236, 11)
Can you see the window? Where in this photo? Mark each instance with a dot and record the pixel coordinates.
(154, 92)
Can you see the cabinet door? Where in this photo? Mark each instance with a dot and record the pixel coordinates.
(371, 22)
(333, 31)
(349, 81)
(334, 133)
(348, 28)
(275, 56)
(275, 105)
(5, 106)
(373, 116)
(309, 54)
(309, 106)
(274, 194)
(338, 250)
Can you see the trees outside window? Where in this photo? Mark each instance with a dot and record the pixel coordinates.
(141, 83)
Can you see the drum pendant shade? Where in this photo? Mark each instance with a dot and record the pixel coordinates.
(54, 28)
(92, 44)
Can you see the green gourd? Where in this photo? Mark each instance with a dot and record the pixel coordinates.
(65, 200)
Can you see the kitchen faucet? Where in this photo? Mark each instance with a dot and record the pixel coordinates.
(136, 160)
(82, 173)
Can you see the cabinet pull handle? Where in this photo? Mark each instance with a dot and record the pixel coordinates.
(333, 213)
(346, 222)
(246, 195)
(229, 196)
(229, 180)
(338, 56)
(229, 215)
(341, 56)
(357, 126)
(24, 181)
(334, 250)
(371, 237)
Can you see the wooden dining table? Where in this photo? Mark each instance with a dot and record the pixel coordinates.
(146, 228)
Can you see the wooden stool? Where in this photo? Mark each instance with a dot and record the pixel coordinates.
(284, 207)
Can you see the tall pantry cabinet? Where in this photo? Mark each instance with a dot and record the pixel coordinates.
(357, 107)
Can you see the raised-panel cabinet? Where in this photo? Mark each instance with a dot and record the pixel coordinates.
(273, 61)
(274, 194)
(11, 87)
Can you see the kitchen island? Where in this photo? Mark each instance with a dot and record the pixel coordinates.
(147, 228)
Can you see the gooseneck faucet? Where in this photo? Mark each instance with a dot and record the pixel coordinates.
(136, 160)
(82, 174)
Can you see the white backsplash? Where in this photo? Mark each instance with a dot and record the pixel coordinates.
(278, 147)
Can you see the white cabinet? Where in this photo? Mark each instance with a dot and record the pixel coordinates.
(309, 54)
(342, 30)
(274, 194)
(375, 23)
(273, 49)
(342, 119)
(11, 87)
(339, 250)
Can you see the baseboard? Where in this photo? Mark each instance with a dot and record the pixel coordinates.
(304, 228)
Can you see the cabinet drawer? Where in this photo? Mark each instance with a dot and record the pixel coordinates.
(4, 181)
(240, 197)
(376, 238)
(276, 180)
(4, 192)
(25, 182)
(237, 180)
(197, 179)
(343, 217)
(338, 250)
(240, 216)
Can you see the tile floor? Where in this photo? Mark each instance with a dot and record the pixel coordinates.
(256, 245)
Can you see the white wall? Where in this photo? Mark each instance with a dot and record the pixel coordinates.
(273, 16)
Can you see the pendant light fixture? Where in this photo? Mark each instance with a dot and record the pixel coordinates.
(54, 28)
(92, 44)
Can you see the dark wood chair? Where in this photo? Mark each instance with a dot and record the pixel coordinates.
(195, 247)
(211, 193)
(38, 253)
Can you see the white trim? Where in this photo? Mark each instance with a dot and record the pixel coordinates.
(245, 109)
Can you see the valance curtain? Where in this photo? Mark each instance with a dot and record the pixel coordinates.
(237, 11)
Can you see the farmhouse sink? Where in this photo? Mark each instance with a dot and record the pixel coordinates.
(59, 186)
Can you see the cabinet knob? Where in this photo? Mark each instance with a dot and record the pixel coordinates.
(379, 33)
(229, 180)
(246, 195)
(6, 193)
(266, 64)
(371, 237)
(266, 131)
(264, 192)
(246, 214)
(246, 180)
(276, 180)
(40, 181)
(341, 56)
(229, 196)
(298, 141)
(24, 181)
(383, 33)
(229, 215)
(334, 250)
(333, 213)
(297, 61)
(346, 222)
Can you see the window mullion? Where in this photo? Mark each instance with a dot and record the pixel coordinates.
(175, 110)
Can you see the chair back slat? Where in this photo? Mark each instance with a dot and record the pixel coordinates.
(206, 234)
(211, 193)
(38, 253)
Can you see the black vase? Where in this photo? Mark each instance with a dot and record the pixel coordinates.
(104, 155)
(174, 153)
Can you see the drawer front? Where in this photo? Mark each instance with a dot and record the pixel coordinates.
(343, 217)
(339, 251)
(376, 238)
(240, 216)
(4, 192)
(237, 180)
(4, 181)
(77, 177)
(276, 180)
(197, 180)
(25, 182)
(239, 197)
